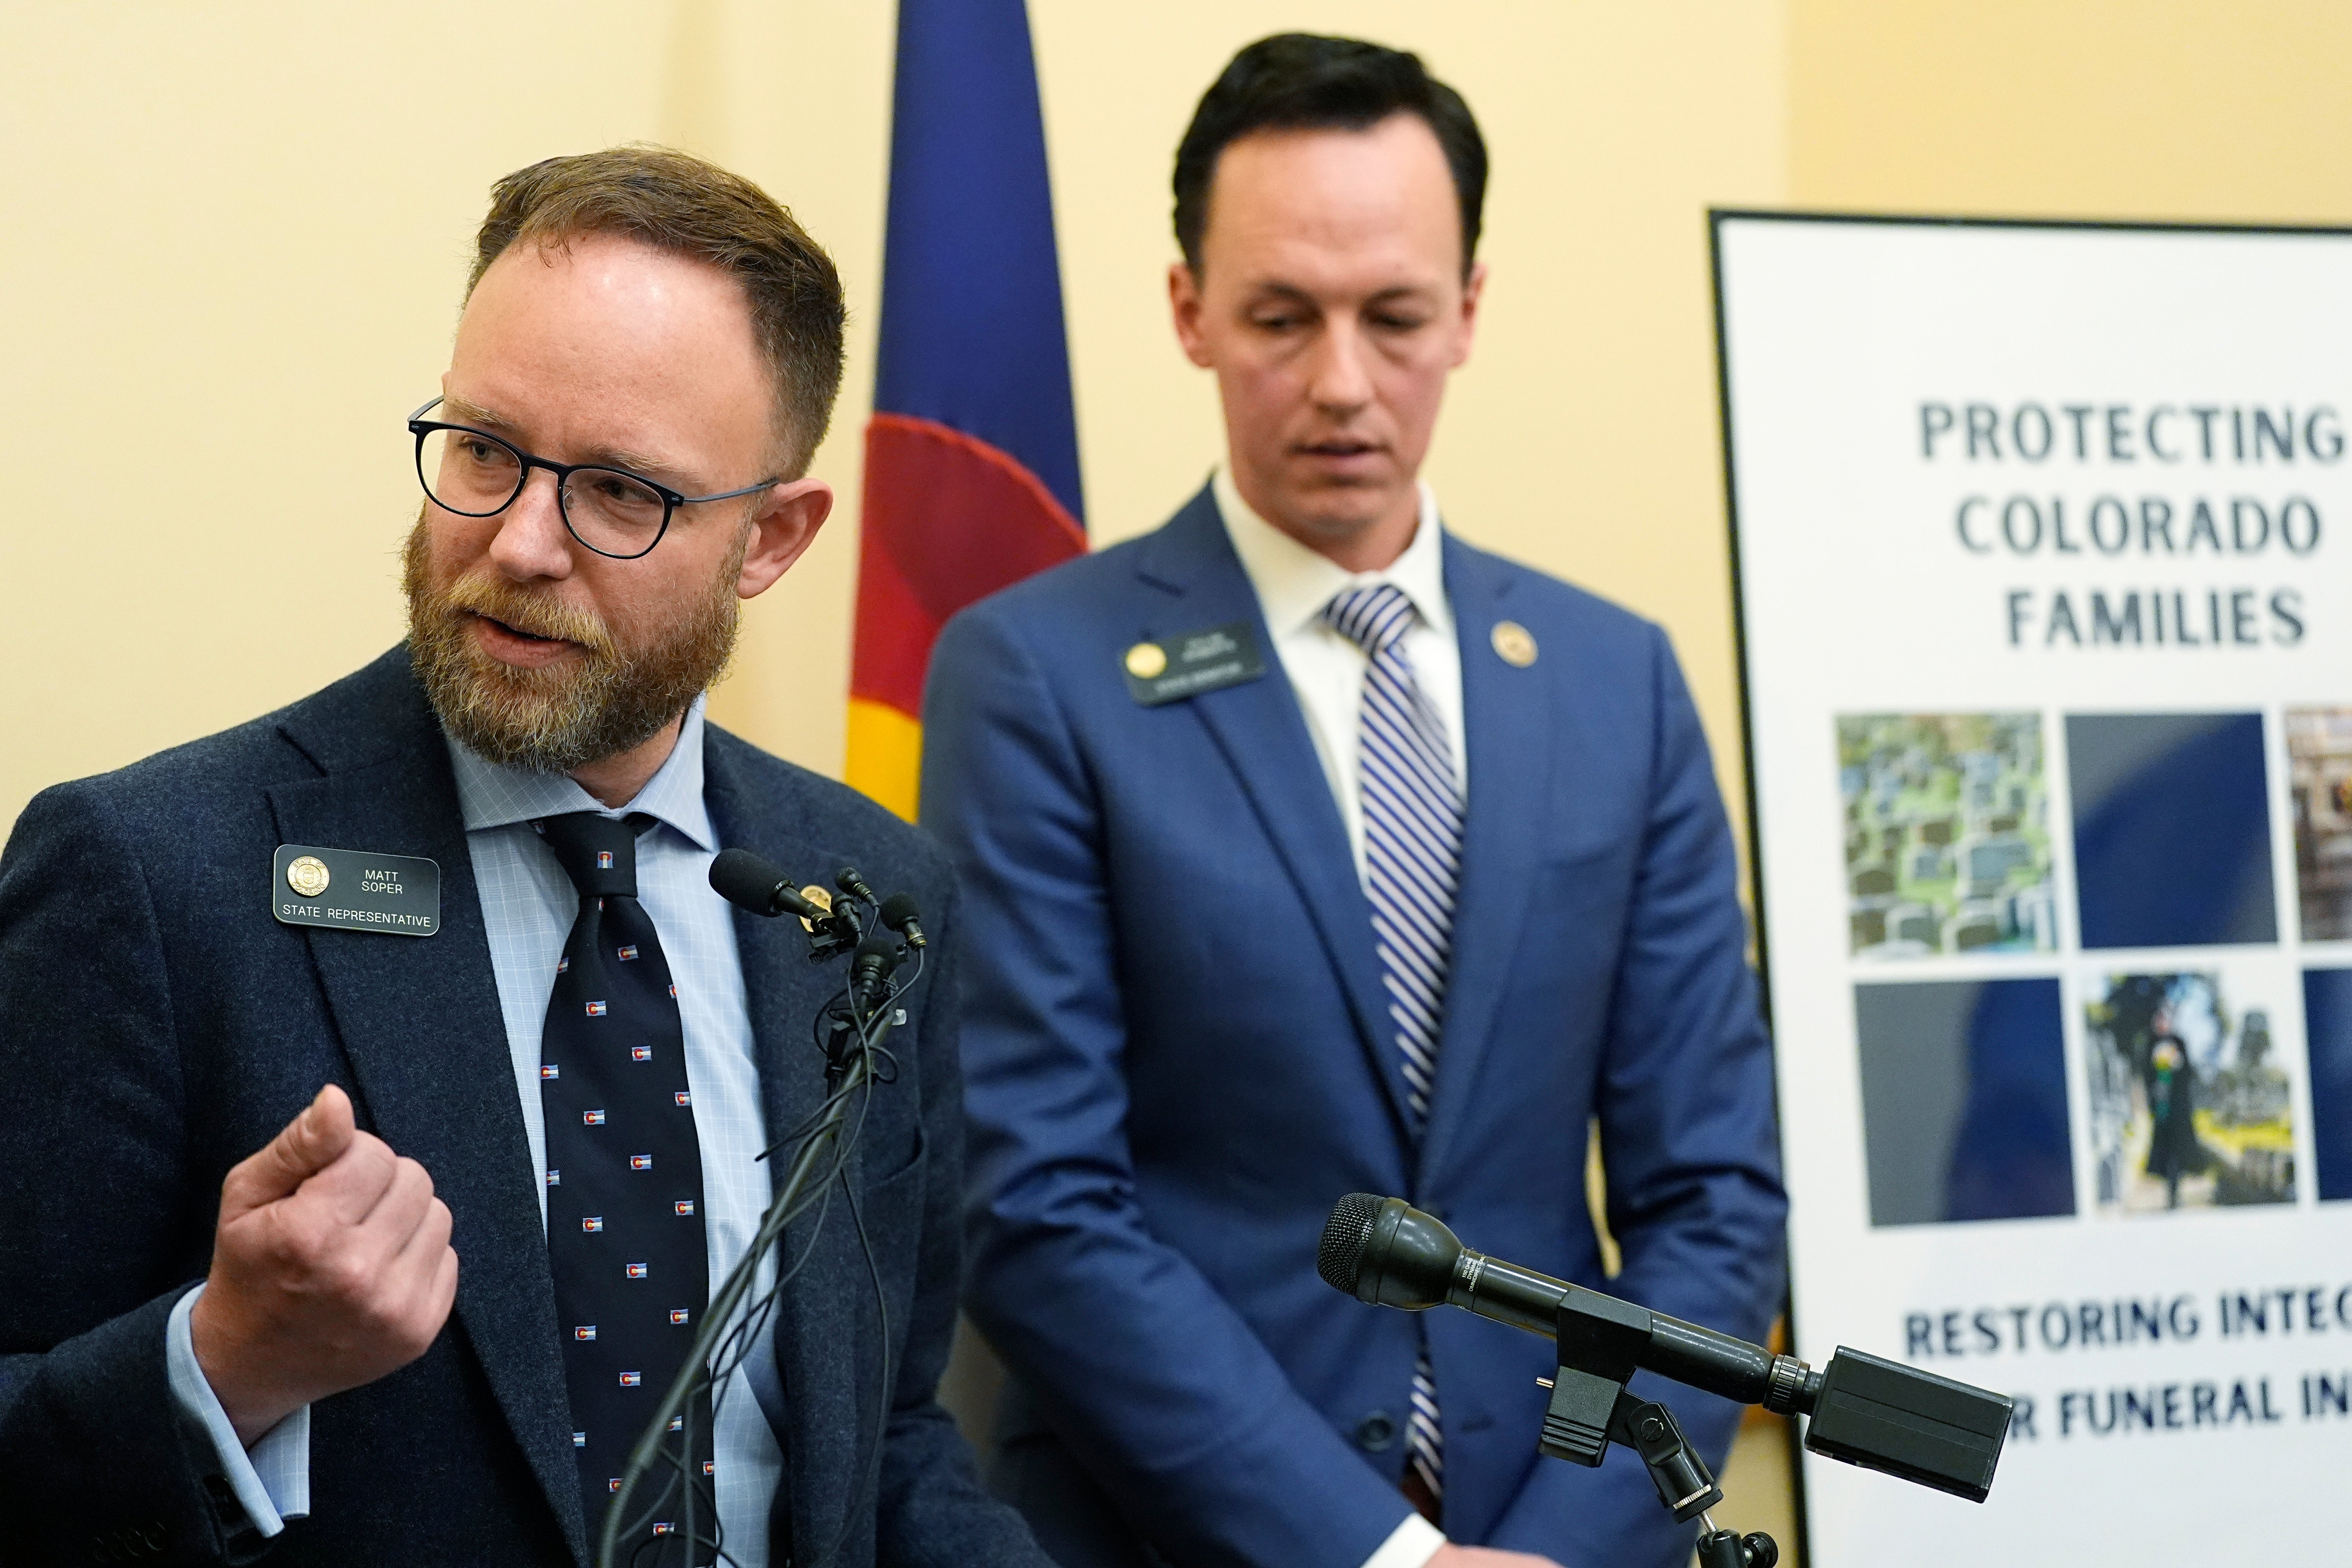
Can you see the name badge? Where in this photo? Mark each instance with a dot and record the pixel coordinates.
(355, 889)
(1187, 665)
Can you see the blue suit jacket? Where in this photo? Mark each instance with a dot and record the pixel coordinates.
(1178, 1055)
(157, 1025)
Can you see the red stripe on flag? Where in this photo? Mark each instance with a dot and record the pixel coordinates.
(948, 519)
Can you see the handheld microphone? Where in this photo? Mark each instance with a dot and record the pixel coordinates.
(898, 912)
(1877, 1414)
(748, 883)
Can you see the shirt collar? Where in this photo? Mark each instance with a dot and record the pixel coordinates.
(1294, 583)
(492, 795)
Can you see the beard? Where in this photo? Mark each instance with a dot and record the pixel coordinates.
(560, 717)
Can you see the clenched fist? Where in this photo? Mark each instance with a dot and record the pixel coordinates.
(332, 1267)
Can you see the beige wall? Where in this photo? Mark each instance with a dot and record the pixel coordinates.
(238, 231)
(2214, 109)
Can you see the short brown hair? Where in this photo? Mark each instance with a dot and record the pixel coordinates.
(676, 202)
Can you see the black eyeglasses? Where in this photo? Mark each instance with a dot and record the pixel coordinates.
(611, 511)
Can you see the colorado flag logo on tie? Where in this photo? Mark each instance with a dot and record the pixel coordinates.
(597, 1009)
(637, 1271)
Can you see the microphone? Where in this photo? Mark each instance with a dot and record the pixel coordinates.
(869, 970)
(899, 913)
(748, 883)
(1878, 1414)
(850, 882)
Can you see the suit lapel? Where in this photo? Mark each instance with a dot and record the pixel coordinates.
(420, 1020)
(1258, 729)
(782, 992)
(1510, 741)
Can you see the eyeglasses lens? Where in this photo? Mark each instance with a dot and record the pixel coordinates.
(469, 473)
(616, 512)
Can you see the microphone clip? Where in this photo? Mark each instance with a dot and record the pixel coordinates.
(848, 916)
(1600, 1340)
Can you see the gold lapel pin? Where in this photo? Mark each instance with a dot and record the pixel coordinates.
(1515, 644)
(307, 875)
(1146, 661)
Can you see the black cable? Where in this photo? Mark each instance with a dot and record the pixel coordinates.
(859, 1073)
(871, 1462)
(695, 1377)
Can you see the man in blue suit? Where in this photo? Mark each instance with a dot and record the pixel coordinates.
(305, 1250)
(1307, 849)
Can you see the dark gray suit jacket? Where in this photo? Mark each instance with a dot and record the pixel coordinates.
(157, 1025)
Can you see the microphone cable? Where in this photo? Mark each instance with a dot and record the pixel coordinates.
(728, 1338)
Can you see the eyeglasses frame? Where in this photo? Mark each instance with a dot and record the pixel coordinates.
(420, 427)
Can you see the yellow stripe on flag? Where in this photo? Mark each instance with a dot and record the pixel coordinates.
(886, 755)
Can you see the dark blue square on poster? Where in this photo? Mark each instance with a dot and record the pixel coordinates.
(2327, 1033)
(1964, 1100)
(2172, 829)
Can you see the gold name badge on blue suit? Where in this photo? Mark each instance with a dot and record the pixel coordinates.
(355, 890)
(1173, 668)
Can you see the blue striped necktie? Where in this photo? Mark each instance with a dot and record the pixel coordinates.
(1412, 861)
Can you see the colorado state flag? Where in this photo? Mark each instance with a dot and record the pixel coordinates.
(971, 458)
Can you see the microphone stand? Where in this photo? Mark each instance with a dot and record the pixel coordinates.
(1861, 1410)
(849, 1066)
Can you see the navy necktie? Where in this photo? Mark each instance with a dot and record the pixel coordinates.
(1413, 865)
(624, 1222)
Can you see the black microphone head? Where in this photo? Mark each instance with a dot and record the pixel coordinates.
(1387, 1252)
(850, 882)
(745, 880)
(1341, 1255)
(899, 912)
(870, 967)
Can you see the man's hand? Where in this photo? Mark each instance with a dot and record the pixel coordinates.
(1452, 1556)
(332, 1267)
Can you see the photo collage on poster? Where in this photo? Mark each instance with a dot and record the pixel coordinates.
(2072, 988)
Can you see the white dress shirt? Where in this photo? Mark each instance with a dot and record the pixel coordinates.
(1327, 672)
(528, 907)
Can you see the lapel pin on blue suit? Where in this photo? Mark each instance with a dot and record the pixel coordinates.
(395, 894)
(1514, 644)
(1186, 665)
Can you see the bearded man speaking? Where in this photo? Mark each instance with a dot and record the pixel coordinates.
(383, 1087)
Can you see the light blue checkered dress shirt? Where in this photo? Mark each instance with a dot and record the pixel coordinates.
(528, 907)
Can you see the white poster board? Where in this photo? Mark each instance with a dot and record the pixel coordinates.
(2043, 544)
